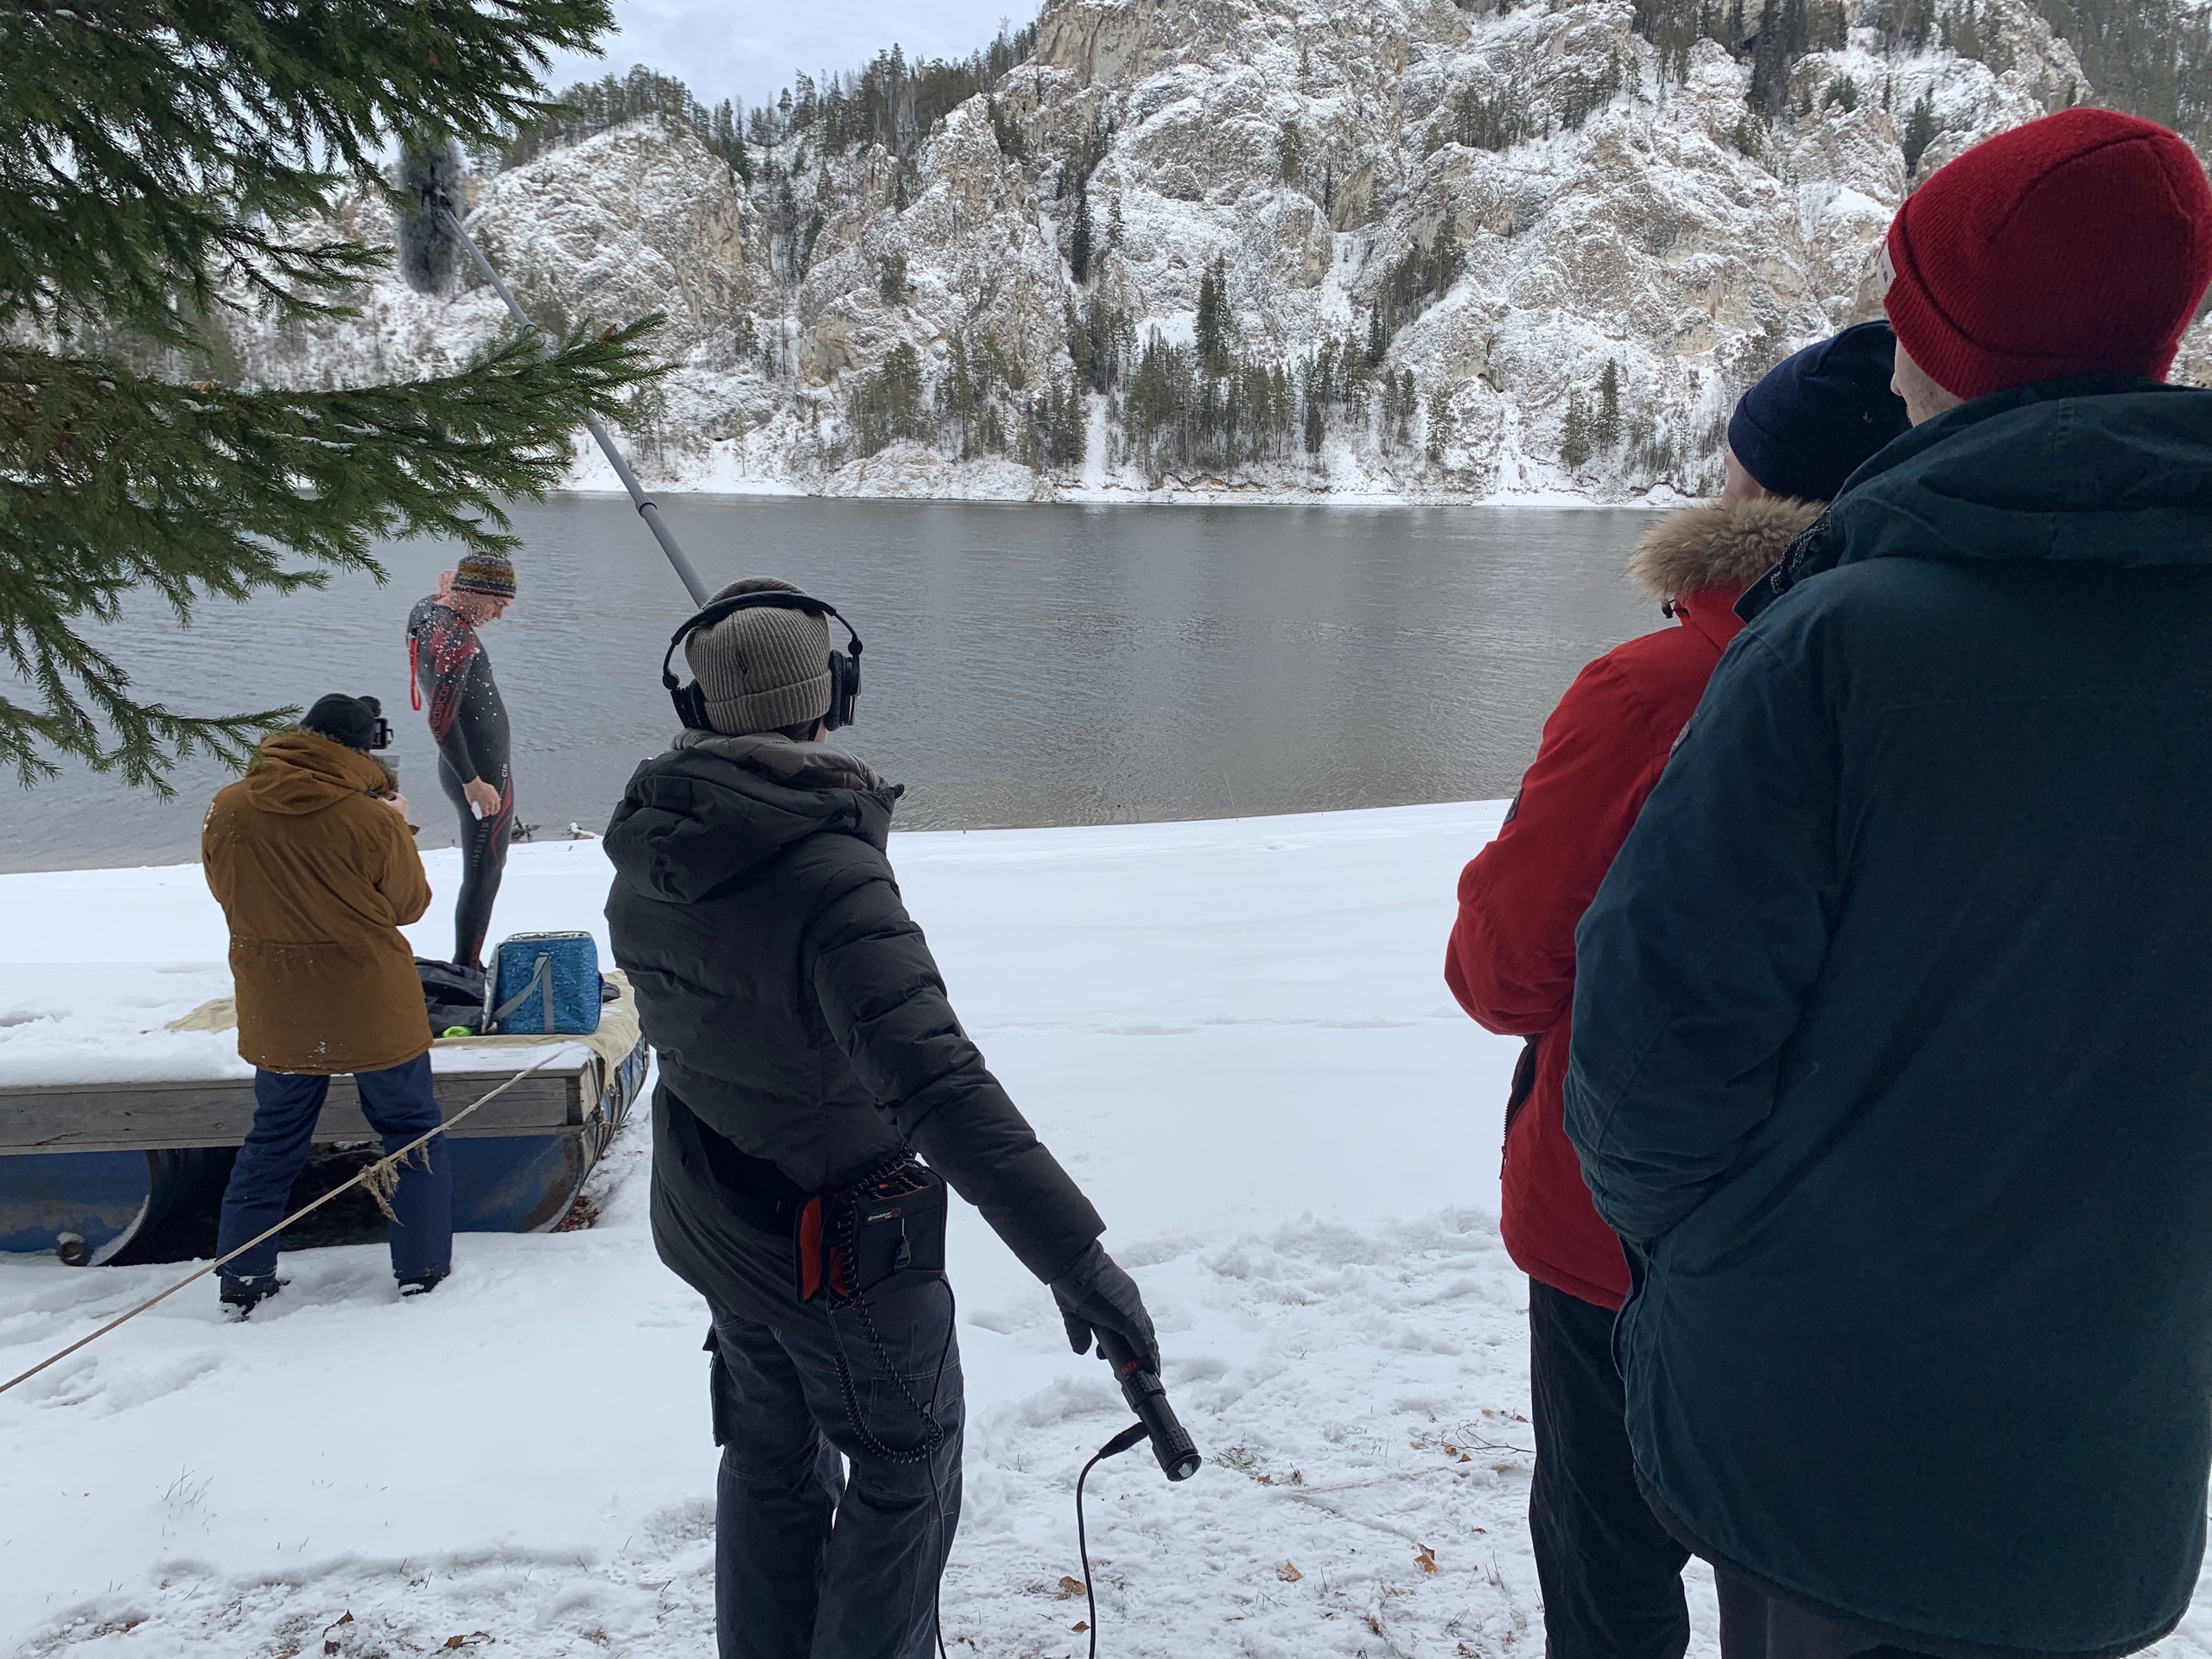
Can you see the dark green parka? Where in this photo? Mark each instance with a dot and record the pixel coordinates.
(1893, 1056)
(799, 1016)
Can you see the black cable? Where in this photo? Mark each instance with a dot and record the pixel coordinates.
(937, 1499)
(1112, 1448)
(933, 1431)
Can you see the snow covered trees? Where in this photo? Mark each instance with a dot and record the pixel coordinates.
(891, 284)
(1920, 131)
(1443, 424)
(888, 405)
(1418, 276)
(1079, 238)
(600, 105)
(2150, 57)
(1574, 443)
(152, 156)
(1605, 422)
(1213, 324)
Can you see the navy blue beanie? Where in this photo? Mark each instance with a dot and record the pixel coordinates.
(1818, 415)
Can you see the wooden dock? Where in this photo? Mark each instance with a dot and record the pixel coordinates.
(148, 1116)
(126, 1160)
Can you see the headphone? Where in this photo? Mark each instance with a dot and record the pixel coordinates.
(844, 669)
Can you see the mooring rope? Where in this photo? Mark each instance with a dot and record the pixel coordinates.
(379, 1175)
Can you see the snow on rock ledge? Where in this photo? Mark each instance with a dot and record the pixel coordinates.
(1653, 225)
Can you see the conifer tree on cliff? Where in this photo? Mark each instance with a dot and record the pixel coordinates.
(154, 155)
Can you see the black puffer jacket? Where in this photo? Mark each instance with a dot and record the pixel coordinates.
(798, 1017)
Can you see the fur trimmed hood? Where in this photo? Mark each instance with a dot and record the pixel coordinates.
(1716, 544)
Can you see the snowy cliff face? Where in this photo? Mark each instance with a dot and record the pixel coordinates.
(1536, 211)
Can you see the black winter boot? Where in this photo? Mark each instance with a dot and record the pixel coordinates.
(241, 1296)
(422, 1285)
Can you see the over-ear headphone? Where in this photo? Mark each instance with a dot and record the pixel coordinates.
(844, 669)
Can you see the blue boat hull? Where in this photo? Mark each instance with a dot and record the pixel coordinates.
(162, 1205)
(93, 1204)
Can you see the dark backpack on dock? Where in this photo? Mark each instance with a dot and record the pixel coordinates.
(452, 994)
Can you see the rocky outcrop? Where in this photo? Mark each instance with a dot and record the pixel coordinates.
(1606, 223)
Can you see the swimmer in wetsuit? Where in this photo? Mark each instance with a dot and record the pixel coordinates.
(453, 675)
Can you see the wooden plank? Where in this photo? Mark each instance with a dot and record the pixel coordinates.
(129, 1117)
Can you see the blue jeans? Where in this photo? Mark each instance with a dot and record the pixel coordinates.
(809, 1564)
(399, 1104)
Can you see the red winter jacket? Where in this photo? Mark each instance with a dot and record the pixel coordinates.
(1511, 958)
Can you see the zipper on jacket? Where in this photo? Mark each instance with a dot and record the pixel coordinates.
(1524, 1082)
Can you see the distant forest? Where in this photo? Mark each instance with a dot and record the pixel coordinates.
(890, 102)
(2149, 57)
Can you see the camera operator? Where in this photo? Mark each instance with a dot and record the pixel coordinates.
(312, 858)
(806, 1042)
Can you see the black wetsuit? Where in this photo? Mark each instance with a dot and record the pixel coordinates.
(453, 675)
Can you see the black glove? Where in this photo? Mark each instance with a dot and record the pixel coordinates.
(1095, 1295)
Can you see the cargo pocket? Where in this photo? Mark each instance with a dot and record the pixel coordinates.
(721, 1394)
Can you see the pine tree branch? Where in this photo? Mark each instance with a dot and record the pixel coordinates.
(110, 482)
(151, 150)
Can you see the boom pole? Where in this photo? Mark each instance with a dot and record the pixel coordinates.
(646, 508)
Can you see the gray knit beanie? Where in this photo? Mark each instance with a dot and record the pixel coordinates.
(762, 668)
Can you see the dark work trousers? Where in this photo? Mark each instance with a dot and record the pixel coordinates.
(1612, 1576)
(399, 1104)
(809, 1564)
(1755, 1626)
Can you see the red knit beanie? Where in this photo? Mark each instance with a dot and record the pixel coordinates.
(2077, 245)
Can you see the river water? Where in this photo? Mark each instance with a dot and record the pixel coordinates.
(1025, 664)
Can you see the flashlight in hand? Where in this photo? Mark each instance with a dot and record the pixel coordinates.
(1147, 1397)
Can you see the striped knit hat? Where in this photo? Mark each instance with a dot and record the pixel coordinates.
(491, 573)
(762, 669)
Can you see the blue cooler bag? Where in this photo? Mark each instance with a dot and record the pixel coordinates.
(545, 982)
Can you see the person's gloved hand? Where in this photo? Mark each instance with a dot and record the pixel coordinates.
(1095, 1295)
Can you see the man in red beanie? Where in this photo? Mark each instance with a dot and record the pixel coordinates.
(2070, 248)
(1893, 1056)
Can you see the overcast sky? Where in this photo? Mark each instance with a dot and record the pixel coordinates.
(749, 50)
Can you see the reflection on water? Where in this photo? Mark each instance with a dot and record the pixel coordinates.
(1025, 665)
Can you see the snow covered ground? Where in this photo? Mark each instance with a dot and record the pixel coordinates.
(1235, 1033)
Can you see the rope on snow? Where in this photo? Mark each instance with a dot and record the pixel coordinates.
(380, 1177)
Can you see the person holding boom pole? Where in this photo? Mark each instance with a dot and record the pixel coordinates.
(750, 866)
(808, 1051)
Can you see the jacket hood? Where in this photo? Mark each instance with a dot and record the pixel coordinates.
(298, 772)
(2080, 472)
(711, 808)
(1717, 544)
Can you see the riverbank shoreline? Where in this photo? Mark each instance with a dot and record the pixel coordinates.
(1027, 666)
(932, 479)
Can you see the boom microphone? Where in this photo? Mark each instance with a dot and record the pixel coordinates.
(430, 173)
(431, 235)
(1147, 1397)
